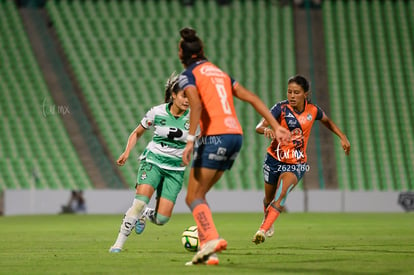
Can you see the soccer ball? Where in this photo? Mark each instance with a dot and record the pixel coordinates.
(189, 239)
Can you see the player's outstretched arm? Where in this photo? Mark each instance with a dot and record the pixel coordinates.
(281, 134)
(346, 145)
(132, 140)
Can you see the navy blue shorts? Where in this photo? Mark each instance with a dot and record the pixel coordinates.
(217, 152)
(272, 169)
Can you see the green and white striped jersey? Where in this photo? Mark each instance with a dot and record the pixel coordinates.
(170, 137)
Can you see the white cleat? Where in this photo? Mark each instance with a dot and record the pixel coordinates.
(259, 237)
(212, 260)
(208, 249)
(270, 232)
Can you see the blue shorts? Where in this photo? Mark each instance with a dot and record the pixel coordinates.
(217, 152)
(272, 169)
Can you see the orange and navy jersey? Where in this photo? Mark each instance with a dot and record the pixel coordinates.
(215, 89)
(299, 125)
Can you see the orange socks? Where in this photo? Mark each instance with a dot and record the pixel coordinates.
(206, 229)
(272, 215)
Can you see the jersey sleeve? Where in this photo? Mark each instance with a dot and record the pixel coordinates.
(319, 112)
(148, 121)
(276, 110)
(186, 79)
(234, 83)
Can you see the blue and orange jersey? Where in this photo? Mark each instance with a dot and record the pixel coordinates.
(299, 125)
(215, 89)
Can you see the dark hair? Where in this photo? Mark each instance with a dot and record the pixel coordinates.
(301, 81)
(171, 86)
(191, 45)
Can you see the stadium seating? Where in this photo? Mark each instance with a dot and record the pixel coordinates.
(35, 151)
(122, 53)
(370, 71)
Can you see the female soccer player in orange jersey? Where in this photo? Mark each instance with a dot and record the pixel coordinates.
(210, 92)
(285, 164)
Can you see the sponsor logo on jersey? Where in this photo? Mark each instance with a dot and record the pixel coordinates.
(210, 70)
(292, 123)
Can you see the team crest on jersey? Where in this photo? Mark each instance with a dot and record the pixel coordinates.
(309, 117)
(187, 125)
(143, 175)
(148, 122)
(296, 133)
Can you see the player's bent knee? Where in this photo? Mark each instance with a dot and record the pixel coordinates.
(188, 200)
(161, 220)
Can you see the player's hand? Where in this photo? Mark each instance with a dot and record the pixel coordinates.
(268, 133)
(122, 159)
(188, 152)
(282, 135)
(346, 145)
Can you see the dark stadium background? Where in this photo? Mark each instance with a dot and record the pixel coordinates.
(77, 76)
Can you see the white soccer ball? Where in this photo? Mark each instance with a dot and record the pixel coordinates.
(189, 238)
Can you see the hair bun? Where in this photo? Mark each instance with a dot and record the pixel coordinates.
(188, 34)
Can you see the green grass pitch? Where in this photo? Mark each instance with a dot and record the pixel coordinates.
(304, 243)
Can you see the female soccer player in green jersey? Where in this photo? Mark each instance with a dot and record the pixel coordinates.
(161, 166)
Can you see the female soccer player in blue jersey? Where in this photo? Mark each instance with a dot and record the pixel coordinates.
(161, 166)
(285, 163)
